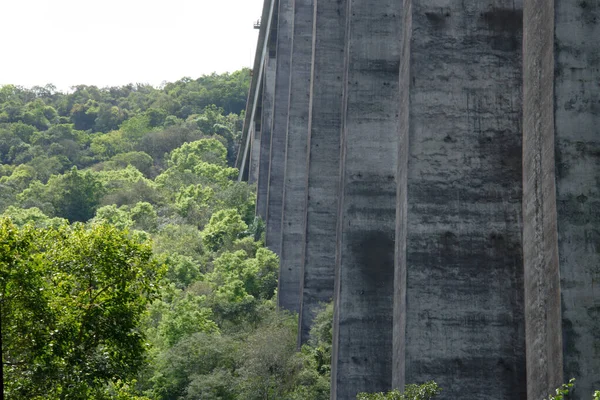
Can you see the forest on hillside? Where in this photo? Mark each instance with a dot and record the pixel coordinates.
(131, 264)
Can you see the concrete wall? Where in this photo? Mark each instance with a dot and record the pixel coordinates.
(459, 247)
(254, 155)
(295, 182)
(323, 159)
(458, 307)
(540, 239)
(577, 144)
(262, 184)
(285, 25)
(363, 297)
(561, 223)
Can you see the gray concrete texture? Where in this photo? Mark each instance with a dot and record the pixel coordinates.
(493, 203)
(254, 155)
(323, 160)
(562, 178)
(540, 239)
(362, 343)
(577, 145)
(460, 260)
(295, 178)
(285, 25)
(262, 184)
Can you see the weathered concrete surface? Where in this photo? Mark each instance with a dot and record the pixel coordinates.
(262, 184)
(323, 159)
(561, 221)
(285, 25)
(460, 244)
(254, 155)
(266, 34)
(295, 182)
(399, 319)
(577, 129)
(540, 242)
(362, 342)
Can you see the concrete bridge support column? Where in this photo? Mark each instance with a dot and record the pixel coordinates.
(262, 184)
(561, 185)
(323, 159)
(459, 284)
(362, 342)
(254, 154)
(295, 182)
(285, 24)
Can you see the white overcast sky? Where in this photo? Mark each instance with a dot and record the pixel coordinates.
(115, 42)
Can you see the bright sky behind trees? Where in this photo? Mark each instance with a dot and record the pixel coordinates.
(115, 42)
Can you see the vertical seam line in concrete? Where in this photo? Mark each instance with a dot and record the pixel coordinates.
(399, 342)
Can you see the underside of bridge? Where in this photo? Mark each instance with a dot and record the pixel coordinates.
(433, 166)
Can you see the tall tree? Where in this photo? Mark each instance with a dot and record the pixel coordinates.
(71, 300)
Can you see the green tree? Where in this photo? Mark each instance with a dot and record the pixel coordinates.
(127, 186)
(23, 131)
(144, 217)
(26, 317)
(199, 366)
(182, 270)
(426, 391)
(84, 115)
(114, 216)
(182, 314)
(564, 391)
(156, 117)
(74, 195)
(224, 227)
(108, 118)
(269, 367)
(108, 145)
(189, 155)
(135, 127)
(23, 216)
(159, 143)
(140, 160)
(10, 146)
(72, 299)
(181, 239)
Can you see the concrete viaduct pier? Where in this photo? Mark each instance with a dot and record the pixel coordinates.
(433, 166)
(561, 184)
(460, 318)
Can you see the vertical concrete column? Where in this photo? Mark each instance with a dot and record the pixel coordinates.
(285, 24)
(295, 182)
(362, 343)
(562, 195)
(262, 184)
(459, 281)
(323, 159)
(254, 154)
(540, 235)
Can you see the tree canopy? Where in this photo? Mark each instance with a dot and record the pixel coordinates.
(131, 263)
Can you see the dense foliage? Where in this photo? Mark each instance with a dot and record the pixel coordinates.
(131, 264)
(71, 302)
(426, 391)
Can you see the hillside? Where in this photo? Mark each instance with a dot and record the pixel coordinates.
(126, 237)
